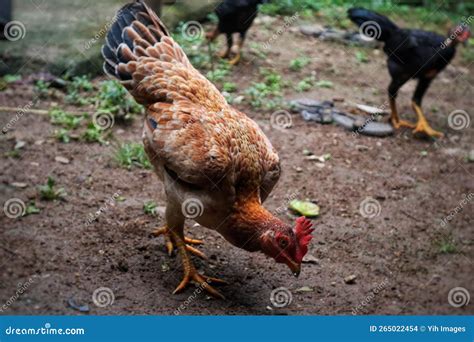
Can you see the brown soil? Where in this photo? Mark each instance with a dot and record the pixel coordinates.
(396, 254)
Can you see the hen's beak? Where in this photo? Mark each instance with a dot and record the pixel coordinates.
(295, 268)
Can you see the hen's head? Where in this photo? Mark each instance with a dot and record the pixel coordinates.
(288, 245)
(460, 33)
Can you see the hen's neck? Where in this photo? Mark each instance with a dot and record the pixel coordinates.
(248, 221)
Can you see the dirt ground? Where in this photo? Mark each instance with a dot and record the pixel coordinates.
(395, 256)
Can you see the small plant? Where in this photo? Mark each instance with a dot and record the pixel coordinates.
(149, 208)
(62, 135)
(78, 85)
(229, 87)
(93, 133)
(219, 73)
(64, 119)
(7, 79)
(324, 84)
(42, 88)
(11, 78)
(447, 245)
(132, 154)
(299, 63)
(114, 98)
(15, 153)
(266, 94)
(361, 57)
(31, 209)
(49, 192)
(305, 84)
(290, 7)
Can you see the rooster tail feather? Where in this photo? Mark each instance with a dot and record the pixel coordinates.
(382, 27)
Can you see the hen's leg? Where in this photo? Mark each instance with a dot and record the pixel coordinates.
(224, 53)
(235, 50)
(422, 126)
(170, 246)
(190, 272)
(392, 96)
(212, 35)
(175, 223)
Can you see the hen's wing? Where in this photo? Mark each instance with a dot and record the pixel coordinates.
(190, 127)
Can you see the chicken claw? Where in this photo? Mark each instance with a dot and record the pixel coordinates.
(423, 128)
(402, 123)
(190, 272)
(170, 246)
(202, 280)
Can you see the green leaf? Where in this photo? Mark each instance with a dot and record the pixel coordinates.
(305, 208)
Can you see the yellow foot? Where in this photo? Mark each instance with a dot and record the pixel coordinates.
(423, 129)
(402, 123)
(235, 60)
(191, 275)
(170, 246)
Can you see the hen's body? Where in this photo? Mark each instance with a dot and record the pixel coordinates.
(411, 54)
(216, 164)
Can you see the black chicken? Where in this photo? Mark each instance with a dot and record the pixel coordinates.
(411, 54)
(235, 18)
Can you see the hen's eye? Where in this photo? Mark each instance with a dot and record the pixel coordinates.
(283, 243)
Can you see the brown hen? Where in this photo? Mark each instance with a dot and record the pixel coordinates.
(216, 164)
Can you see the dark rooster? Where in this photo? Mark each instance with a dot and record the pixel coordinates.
(235, 18)
(411, 54)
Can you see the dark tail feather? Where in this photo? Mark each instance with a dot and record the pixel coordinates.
(135, 28)
(372, 24)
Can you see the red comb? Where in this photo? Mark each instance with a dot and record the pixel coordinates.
(303, 232)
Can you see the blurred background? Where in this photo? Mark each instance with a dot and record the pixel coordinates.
(65, 36)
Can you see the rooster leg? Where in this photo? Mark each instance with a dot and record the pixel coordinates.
(422, 127)
(212, 35)
(224, 53)
(235, 50)
(170, 246)
(393, 88)
(190, 273)
(395, 120)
